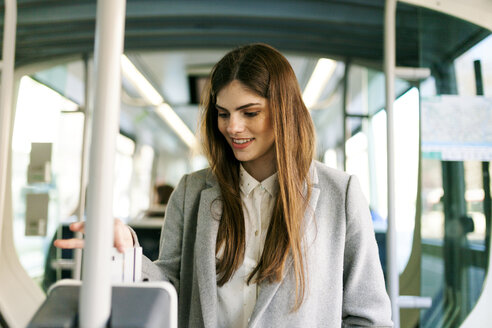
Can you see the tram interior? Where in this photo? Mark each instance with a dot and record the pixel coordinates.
(443, 143)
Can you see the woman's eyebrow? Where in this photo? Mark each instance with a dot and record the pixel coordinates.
(240, 107)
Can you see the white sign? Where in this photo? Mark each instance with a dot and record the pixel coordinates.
(457, 128)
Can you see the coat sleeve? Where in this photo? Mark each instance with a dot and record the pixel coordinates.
(365, 301)
(167, 266)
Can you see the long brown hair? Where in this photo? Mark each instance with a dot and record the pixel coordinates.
(266, 72)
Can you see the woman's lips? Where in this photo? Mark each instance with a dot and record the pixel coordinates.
(241, 143)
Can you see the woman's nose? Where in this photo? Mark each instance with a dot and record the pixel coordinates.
(236, 124)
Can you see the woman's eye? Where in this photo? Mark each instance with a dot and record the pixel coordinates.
(251, 114)
(223, 115)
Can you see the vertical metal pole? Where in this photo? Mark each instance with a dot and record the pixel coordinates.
(6, 93)
(344, 109)
(83, 169)
(95, 298)
(487, 208)
(389, 70)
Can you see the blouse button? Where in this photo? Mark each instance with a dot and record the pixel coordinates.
(256, 233)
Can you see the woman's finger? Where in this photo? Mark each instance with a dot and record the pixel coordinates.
(69, 243)
(77, 226)
(122, 237)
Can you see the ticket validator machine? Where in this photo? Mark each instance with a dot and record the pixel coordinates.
(133, 304)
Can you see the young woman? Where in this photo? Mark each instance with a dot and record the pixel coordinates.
(266, 237)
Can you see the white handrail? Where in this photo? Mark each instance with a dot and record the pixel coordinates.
(95, 298)
(6, 93)
(76, 270)
(389, 72)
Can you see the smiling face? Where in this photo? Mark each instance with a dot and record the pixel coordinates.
(244, 121)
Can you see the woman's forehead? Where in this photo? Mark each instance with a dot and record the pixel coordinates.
(236, 94)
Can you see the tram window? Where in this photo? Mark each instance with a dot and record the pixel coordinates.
(366, 90)
(43, 115)
(406, 139)
(330, 158)
(474, 198)
(465, 74)
(453, 224)
(432, 228)
(366, 157)
(442, 271)
(328, 120)
(125, 148)
(357, 160)
(406, 143)
(65, 79)
(366, 151)
(379, 164)
(142, 180)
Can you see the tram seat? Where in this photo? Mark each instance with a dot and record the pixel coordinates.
(147, 304)
(381, 241)
(380, 226)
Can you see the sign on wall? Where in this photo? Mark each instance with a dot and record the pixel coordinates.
(457, 128)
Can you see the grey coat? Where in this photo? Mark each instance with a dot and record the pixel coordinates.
(345, 285)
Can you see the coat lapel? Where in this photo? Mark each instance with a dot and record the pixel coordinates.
(209, 213)
(268, 290)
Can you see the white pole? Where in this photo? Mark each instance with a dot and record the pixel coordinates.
(76, 271)
(6, 93)
(389, 70)
(95, 298)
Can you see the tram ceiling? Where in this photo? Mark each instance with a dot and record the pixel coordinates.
(350, 29)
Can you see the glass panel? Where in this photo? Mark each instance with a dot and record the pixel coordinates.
(406, 140)
(328, 120)
(432, 207)
(366, 90)
(474, 225)
(141, 184)
(66, 79)
(453, 222)
(464, 66)
(125, 147)
(357, 93)
(39, 119)
(67, 162)
(357, 160)
(379, 185)
(406, 143)
(474, 197)
(432, 230)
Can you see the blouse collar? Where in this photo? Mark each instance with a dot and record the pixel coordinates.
(247, 183)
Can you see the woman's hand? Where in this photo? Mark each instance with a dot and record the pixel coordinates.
(122, 237)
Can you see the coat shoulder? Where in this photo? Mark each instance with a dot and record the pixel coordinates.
(201, 175)
(198, 179)
(328, 177)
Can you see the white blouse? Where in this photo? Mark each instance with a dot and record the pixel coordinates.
(236, 298)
